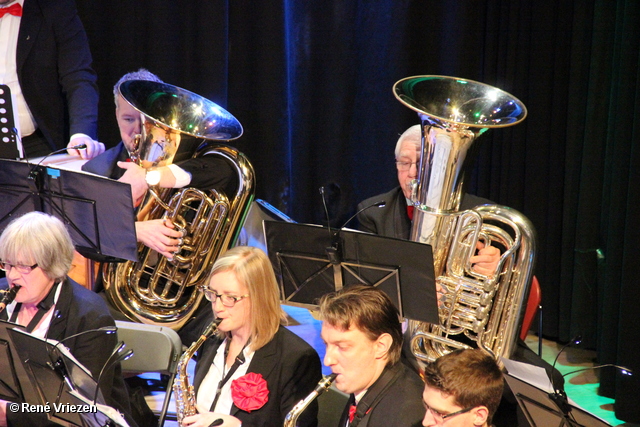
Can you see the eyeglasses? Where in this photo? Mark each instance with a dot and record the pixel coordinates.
(22, 269)
(439, 417)
(405, 166)
(226, 300)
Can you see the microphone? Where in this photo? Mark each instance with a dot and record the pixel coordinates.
(59, 364)
(335, 242)
(35, 178)
(622, 369)
(326, 211)
(113, 358)
(380, 204)
(559, 396)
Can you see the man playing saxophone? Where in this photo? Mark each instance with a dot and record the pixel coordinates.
(362, 332)
(254, 371)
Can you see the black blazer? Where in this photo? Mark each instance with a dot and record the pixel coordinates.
(78, 309)
(53, 61)
(397, 400)
(207, 172)
(392, 219)
(291, 368)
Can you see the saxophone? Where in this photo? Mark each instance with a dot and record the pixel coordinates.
(183, 392)
(323, 385)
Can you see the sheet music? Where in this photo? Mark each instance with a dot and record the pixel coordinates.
(537, 377)
(108, 411)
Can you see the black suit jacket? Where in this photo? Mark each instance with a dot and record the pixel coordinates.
(207, 172)
(392, 219)
(291, 368)
(77, 310)
(396, 400)
(53, 61)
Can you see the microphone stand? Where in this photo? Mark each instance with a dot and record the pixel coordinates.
(113, 358)
(58, 364)
(334, 252)
(559, 396)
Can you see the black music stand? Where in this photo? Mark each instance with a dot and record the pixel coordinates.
(15, 384)
(98, 211)
(10, 143)
(541, 406)
(310, 261)
(59, 380)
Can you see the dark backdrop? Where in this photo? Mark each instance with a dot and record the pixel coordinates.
(311, 82)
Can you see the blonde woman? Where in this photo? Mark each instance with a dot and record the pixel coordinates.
(255, 370)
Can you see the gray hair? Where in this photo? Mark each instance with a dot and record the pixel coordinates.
(41, 239)
(141, 74)
(413, 133)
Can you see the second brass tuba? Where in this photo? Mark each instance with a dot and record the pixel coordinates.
(176, 125)
(478, 310)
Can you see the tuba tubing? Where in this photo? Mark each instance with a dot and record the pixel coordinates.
(478, 310)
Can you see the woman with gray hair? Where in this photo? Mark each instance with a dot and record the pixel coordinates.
(36, 253)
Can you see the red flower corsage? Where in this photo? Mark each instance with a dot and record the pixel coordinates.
(249, 392)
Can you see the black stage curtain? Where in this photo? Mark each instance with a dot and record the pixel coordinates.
(311, 82)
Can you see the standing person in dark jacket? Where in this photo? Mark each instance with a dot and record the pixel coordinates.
(48, 68)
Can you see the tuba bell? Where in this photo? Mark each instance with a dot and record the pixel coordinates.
(477, 310)
(177, 125)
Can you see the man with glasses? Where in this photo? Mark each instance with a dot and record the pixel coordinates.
(394, 220)
(462, 389)
(363, 337)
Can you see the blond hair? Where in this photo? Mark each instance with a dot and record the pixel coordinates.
(141, 74)
(253, 269)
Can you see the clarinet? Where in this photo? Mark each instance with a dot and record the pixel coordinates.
(9, 296)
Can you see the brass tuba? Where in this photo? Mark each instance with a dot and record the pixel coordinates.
(477, 310)
(177, 125)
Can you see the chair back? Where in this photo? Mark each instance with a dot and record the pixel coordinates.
(533, 304)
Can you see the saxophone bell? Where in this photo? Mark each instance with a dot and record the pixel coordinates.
(323, 385)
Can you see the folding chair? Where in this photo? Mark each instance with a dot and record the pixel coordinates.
(533, 306)
(155, 349)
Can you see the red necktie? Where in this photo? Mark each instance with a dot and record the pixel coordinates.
(14, 9)
(410, 212)
(352, 413)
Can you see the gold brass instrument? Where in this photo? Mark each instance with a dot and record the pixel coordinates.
(183, 391)
(177, 125)
(291, 420)
(478, 310)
